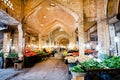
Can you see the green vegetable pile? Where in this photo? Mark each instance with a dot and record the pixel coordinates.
(1, 54)
(39, 52)
(13, 55)
(113, 62)
(78, 69)
(92, 64)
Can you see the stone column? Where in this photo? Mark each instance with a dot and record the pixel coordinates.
(86, 36)
(20, 41)
(15, 41)
(80, 28)
(6, 46)
(53, 44)
(49, 38)
(45, 41)
(31, 44)
(74, 39)
(39, 42)
(81, 38)
(6, 42)
(102, 27)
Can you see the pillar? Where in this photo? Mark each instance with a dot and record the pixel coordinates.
(39, 42)
(6, 46)
(81, 38)
(6, 42)
(45, 42)
(102, 27)
(86, 36)
(80, 25)
(31, 44)
(74, 40)
(49, 38)
(20, 41)
(15, 41)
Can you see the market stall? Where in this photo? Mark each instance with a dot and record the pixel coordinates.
(95, 69)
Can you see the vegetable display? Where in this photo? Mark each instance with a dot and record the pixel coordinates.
(1, 54)
(13, 55)
(78, 69)
(113, 62)
(92, 64)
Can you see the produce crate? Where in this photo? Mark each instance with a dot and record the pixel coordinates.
(78, 78)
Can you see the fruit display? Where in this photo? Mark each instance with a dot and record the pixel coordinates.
(30, 54)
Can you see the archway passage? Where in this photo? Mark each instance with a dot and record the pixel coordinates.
(64, 42)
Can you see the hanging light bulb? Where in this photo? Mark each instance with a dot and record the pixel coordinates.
(41, 24)
(44, 16)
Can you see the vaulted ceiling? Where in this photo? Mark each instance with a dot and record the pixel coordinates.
(49, 16)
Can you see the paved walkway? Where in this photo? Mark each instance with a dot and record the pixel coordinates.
(7, 73)
(50, 69)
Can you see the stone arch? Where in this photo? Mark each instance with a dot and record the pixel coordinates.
(59, 37)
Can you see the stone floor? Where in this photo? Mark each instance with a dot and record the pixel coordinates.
(50, 69)
(7, 73)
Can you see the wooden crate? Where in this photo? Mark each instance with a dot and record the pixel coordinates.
(78, 78)
(18, 66)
